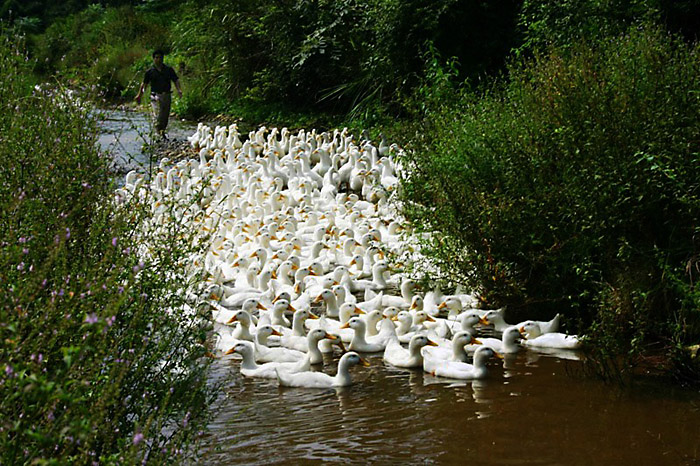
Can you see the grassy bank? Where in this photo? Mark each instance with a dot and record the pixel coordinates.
(100, 364)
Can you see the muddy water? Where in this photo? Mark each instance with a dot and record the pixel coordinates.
(540, 410)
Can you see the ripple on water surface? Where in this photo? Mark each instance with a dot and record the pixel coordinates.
(538, 411)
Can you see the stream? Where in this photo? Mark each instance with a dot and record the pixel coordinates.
(533, 409)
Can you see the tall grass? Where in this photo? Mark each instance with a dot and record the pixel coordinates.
(101, 360)
(572, 186)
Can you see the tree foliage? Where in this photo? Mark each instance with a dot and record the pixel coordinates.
(572, 186)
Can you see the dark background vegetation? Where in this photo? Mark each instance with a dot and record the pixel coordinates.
(552, 148)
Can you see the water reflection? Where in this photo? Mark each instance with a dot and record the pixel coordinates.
(530, 412)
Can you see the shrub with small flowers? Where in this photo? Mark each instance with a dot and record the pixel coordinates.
(94, 370)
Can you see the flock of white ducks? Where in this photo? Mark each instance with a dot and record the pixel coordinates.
(303, 225)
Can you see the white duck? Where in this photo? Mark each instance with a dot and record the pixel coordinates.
(264, 353)
(277, 316)
(321, 380)
(453, 306)
(378, 281)
(359, 340)
(546, 326)
(404, 331)
(237, 298)
(223, 315)
(372, 318)
(408, 288)
(460, 370)
(454, 350)
(536, 339)
(242, 330)
(328, 297)
(495, 318)
(398, 356)
(249, 368)
(314, 339)
(297, 338)
(507, 344)
(346, 311)
(469, 319)
(387, 328)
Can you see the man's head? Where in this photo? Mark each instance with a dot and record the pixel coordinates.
(158, 56)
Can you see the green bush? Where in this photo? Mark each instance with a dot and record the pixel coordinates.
(101, 357)
(101, 46)
(571, 187)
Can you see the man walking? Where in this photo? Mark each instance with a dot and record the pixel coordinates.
(159, 77)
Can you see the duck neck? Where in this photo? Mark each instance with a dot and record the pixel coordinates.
(316, 250)
(407, 293)
(378, 277)
(332, 307)
(244, 330)
(298, 326)
(404, 326)
(248, 360)
(480, 359)
(278, 316)
(458, 351)
(358, 337)
(314, 354)
(343, 376)
(414, 350)
(510, 345)
(260, 340)
(468, 327)
(372, 328)
(387, 327)
(345, 316)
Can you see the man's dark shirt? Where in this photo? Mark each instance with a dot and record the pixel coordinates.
(160, 80)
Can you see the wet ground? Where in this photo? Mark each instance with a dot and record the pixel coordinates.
(127, 136)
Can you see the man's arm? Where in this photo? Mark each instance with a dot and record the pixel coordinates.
(177, 86)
